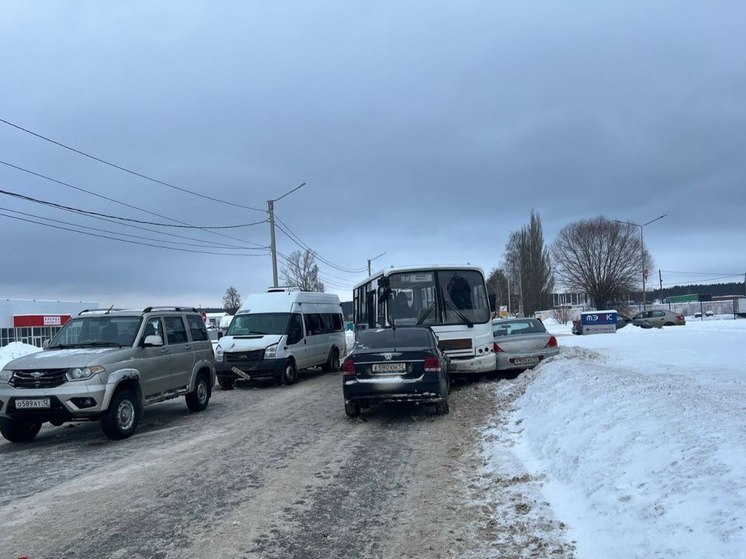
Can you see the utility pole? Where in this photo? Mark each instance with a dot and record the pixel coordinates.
(371, 260)
(272, 245)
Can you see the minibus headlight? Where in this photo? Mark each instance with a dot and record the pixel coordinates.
(270, 352)
(218, 353)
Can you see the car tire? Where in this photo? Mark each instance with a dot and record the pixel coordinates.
(226, 383)
(19, 431)
(198, 399)
(352, 410)
(441, 408)
(289, 373)
(332, 364)
(668, 324)
(121, 419)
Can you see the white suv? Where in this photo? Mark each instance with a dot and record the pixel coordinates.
(107, 365)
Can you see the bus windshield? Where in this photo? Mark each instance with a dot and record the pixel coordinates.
(259, 324)
(437, 297)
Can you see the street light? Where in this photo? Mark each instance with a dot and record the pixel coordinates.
(642, 251)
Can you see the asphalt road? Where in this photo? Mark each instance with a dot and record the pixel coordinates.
(270, 472)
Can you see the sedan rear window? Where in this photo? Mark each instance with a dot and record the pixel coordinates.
(509, 328)
(390, 337)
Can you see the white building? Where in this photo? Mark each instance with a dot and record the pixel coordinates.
(32, 321)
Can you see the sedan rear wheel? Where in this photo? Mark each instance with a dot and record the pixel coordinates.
(352, 410)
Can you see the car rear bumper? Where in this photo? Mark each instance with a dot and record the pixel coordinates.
(428, 388)
(508, 361)
(472, 365)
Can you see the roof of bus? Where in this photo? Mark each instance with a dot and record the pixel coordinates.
(434, 267)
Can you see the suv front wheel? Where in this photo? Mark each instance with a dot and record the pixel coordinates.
(198, 399)
(18, 431)
(123, 415)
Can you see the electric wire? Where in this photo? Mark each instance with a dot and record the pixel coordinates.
(282, 226)
(125, 240)
(322, 278)
(101, 217)
(126, 170)
(132, 220)
(200, 245)
(125, 204)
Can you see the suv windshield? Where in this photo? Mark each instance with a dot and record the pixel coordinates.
(259, 324)
(103, 330)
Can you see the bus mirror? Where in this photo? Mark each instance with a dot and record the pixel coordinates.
(384, 293)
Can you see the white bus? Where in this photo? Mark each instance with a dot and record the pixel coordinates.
(452, 300)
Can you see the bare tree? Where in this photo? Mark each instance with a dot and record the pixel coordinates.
(302, 271)
(601, 257)
(562, 314)
(231, 300)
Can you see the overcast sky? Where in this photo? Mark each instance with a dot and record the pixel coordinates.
(427, 131)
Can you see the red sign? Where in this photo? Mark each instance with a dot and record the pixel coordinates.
(39, 320)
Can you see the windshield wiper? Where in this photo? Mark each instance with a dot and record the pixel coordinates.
(466, 321)
(427, 313)
(104, 344)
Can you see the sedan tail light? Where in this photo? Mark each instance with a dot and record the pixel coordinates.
(552, 342)
(496, 348)
(348, 367)
(680, 317)
(432, 364)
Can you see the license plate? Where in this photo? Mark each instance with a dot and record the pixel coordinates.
(526, 360)
(389, 367)
(35, 403)
(240, 373)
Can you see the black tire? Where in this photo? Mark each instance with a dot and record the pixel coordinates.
(441, 408)
(352, 410)
(332, 364)
(198, 399)
(18, 431)
(290, 373)
(226, 383)
(123, 415)
(669, 324)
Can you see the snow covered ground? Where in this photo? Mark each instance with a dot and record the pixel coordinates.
(639, 439)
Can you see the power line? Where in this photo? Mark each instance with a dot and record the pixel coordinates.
(92, 213)
(125, 169)
(122, 203)
(124, 240)
(324, 279)
(201, 245)
(282, 226)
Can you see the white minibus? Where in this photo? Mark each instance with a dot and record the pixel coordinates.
(275, 334)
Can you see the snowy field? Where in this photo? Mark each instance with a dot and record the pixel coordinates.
(639, 439)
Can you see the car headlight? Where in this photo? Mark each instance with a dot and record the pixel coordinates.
(84, 373)
(5, 375)
(218, 353)
(270, 352)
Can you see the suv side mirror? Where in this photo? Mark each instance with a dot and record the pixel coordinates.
(154, 340)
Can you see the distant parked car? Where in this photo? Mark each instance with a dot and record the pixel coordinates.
(401, 364)
(522, 343)
(622, 321)
(657, 318)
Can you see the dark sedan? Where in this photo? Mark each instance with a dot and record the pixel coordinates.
(395, 365)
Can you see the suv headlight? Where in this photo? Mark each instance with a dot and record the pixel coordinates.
(5, 375)
(270, 352)
(218, 353)
(84, 373)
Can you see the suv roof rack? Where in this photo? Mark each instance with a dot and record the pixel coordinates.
(98, 311)
(170, 308)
